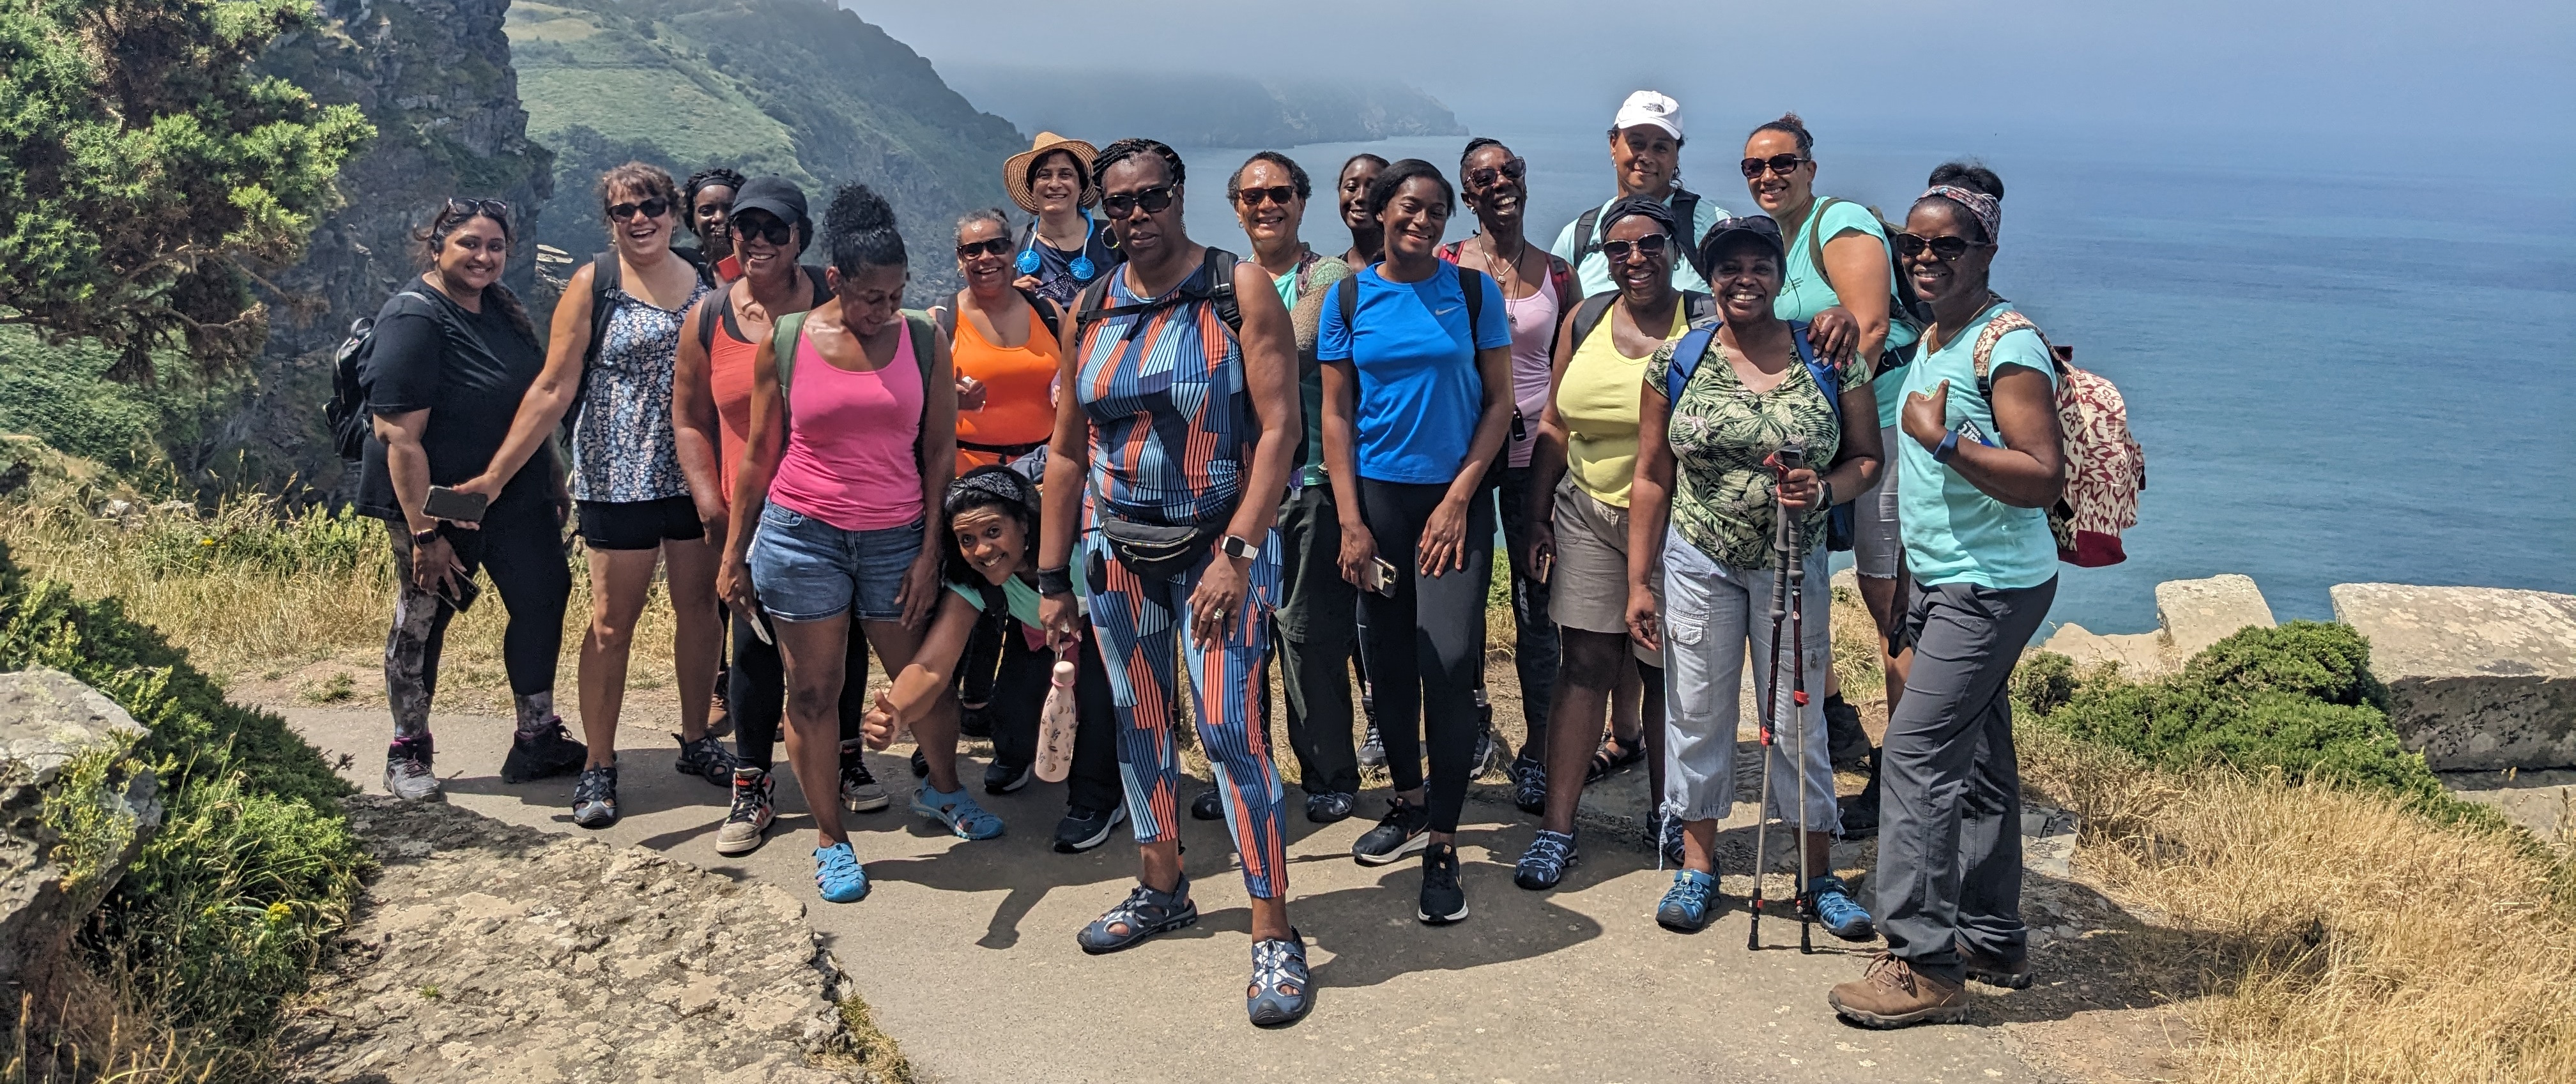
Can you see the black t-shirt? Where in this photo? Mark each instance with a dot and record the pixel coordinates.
(1055, 269)
(469, 370)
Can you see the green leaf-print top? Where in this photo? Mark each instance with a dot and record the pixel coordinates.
(1720, 435)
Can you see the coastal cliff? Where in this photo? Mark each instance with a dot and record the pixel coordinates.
(1210, 110)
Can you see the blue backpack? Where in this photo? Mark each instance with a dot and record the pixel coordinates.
(1840, 526)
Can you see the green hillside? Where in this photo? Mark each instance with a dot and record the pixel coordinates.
(797, 87)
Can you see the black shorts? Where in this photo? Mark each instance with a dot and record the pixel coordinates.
(640, 525)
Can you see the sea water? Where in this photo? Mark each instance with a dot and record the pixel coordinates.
(2338, 374)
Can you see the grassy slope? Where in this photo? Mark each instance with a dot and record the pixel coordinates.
(795, 87)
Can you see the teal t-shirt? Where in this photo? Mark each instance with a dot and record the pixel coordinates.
(1593, 271)
(1017, 595)
(1804, 290)
(1953, 531)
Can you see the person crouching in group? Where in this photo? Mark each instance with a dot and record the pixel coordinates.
(711, 416)
(1702, 513)
(853, 440)
(1173, 437)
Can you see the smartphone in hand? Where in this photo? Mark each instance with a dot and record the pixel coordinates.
(1381, 577)
(454, 507)
(460, 591)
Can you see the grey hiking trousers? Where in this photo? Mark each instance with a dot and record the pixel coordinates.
(1949, 838)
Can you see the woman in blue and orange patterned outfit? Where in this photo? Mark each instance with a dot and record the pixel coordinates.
(1180, 424)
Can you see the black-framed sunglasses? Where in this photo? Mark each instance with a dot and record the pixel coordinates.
(1485, 176)
(1152, 201)
(1782, 164)
(1947, 248)
(652, 208)
(766, 227)
(478, 206)
(1652, 244)
(996, 248)
(1252, 197)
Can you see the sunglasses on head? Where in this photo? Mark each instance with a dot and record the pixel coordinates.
(766, 228)
(652, 208)
(1782, 164)
(1252, 197)
(1150, 200)
(478, 206)
(997, 247)
(1650, 245)
(1485, 176)
(1947, 248)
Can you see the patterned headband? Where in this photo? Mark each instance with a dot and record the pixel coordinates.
(999, 484)
(1989, 210)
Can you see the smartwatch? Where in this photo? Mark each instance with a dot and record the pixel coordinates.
(1237, 548)
(423, 538)
(1828, 487)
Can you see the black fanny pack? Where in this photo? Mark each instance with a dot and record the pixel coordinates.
(1161, 550)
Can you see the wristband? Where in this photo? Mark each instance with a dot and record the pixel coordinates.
(1948, 448)
(1828, 487)
(1055, 581)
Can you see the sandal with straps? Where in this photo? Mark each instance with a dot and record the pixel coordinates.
(1281, 991)
(1144, 913)
(964, 818)
(1612, 756)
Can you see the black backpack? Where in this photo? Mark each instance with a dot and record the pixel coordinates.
(1217, 270)
(1685, 205)
(1697, 308)
(346, 413)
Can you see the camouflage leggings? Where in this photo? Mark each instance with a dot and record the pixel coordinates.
(521, 550)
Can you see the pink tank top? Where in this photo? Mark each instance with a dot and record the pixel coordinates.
(1533, 336)
(850, 459)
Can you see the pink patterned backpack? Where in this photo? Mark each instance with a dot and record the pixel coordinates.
(2105, 468)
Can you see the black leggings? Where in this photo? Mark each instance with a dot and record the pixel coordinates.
(757, 692)
(520, 546)
(1019, 693)
(1426, 644)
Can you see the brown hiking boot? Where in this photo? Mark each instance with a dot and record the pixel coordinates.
(1892, 994)
(1994, 970)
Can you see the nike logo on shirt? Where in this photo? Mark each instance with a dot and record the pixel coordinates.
(1444, 312)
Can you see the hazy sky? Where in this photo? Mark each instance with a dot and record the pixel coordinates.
(2357, 75)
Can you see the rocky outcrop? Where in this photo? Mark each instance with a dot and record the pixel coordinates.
(435, 78)
(2190, 616)
(74, 810)
(493, 952)
(2478, 677)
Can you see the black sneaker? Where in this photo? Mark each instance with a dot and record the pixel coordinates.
(544, 754)
(1372, 747)
(859, 790)
(594, 797)
(1860, 811)
(1484, 756)
(1401, 832)
(1003, 777)
(1844, 736)
(705, 758)
(1443, 902)
(1084, 828)
(1208, 806)
(1330, 806)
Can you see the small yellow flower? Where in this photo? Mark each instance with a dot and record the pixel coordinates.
(280, 912)
(205, 541)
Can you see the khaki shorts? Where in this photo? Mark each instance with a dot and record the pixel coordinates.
(1588, 590)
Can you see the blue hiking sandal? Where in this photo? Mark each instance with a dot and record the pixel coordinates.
(1141, 915)
(964, 818)
(1830, 900)
(838, 875)
(1543, 865)
(1281, 992)
(1689, 903)
(1529, 786)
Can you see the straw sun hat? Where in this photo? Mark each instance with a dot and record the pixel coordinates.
(1015, 169)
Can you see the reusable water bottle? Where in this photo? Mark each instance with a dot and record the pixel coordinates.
(1056, 724)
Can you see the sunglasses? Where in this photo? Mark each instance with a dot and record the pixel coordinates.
(652, 208)
(1485, 177)
(997, 247)
(1252, 197)
(1947, 248)
(1782, 164)
(1151, 200)
(478, 206)
(764, 227)
(1650, 245)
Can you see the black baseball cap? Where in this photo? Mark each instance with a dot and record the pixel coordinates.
(778, 196)
(1760, 226)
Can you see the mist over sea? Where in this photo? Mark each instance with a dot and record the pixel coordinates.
(2339, 374)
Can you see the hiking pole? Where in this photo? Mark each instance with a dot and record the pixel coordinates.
(1793, 568)
(1768, 711)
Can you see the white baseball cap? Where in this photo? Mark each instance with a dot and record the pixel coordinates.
(1650, 107)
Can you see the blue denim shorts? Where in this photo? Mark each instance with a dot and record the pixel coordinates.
(808, 570)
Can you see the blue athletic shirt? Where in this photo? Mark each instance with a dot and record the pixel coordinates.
(1420, 395)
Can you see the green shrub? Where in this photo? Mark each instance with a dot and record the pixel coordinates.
(2298, 699)
(254, 868)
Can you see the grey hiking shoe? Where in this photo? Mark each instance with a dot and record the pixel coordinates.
(859, 790)
(594, 797)
(407, 771)
(754, 807)
(1281, 992)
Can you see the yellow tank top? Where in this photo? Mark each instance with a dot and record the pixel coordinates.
(1598, 400)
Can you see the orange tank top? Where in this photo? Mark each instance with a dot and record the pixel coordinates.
(1017, 412)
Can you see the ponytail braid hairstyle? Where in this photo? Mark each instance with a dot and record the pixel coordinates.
(432, 239)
